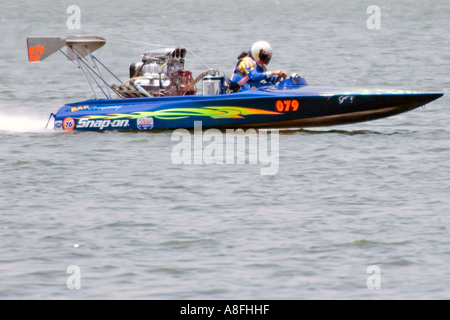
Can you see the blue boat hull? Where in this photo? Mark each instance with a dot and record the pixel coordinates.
(285, 106)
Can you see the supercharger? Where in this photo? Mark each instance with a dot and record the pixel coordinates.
(161, 73)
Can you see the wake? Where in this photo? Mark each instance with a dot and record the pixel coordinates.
(24, 123)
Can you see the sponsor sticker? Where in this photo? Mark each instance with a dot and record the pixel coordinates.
(103, 108)
(145, 123)
(58, 125)
(68, 124)
(84, 123)
(75, 109)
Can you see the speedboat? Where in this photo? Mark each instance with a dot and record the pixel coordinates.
(161, 95)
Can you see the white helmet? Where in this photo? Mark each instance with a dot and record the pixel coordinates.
(261, 51)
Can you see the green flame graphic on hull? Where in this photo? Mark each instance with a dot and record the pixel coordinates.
(180, 113)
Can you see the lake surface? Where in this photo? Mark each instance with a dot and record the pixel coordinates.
(111, 216)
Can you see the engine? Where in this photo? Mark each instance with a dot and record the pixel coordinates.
(161, 73)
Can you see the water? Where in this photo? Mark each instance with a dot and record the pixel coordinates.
(140, 227)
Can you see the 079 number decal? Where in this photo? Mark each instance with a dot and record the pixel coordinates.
(35, 53)
(287, 105)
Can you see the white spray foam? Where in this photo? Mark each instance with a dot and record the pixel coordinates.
(24, 123)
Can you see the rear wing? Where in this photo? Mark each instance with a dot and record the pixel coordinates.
(40, 48)
(79, 51)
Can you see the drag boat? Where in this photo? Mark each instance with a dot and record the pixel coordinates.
(161, 95)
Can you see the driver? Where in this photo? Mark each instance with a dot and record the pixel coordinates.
(251, 69)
